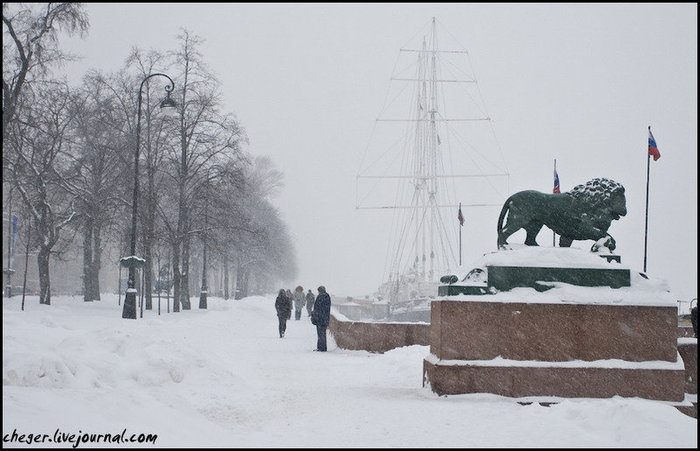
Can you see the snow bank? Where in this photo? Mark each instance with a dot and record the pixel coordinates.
(222, 377)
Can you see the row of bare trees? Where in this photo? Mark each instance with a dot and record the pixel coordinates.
(68, 153)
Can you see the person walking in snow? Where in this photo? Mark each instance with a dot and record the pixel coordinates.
(694, 317)
(298, 302)
(283, 308)
(321, 316)
(290, 299)
(310, 302)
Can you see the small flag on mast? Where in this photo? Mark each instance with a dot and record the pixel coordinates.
(653, 150)
(556, 179)
(460, 218)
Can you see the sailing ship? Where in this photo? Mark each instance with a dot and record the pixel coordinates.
(422, 166)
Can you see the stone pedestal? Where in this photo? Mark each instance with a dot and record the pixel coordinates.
(518, 349)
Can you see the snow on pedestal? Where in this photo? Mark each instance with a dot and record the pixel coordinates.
(643, 290)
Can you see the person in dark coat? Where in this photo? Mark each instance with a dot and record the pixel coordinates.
(321, 316)
(310, 298)
(284, 311)
(694, 317)
(291, 303)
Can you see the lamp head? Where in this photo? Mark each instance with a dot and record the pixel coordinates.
(168, 106)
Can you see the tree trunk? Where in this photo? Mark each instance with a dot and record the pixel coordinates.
(226, 295)
(96, 263)
(87, 261)
(176, 278)
(148, 276)
(44, 280)
(91, 261)
(185, 276)
(183, 210)
(149, 232)
(242, 285)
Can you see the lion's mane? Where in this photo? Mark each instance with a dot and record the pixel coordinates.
(596, 193)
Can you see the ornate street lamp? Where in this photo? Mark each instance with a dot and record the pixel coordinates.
(132, 262)
(203, 292)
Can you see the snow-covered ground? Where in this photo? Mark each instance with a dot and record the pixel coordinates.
(223, 377)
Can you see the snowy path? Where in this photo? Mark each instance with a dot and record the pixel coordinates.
(223, 377)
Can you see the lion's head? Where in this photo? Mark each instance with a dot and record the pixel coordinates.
(604, 197)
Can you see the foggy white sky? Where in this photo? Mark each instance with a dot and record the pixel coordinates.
(575, 82)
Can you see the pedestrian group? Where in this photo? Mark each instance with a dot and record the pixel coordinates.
(318, 309)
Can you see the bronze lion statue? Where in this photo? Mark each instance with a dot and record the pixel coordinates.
(584, 213)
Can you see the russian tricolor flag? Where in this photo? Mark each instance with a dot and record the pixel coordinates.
(556, 182)
(653, 150)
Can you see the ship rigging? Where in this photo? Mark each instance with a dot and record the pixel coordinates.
(443, 159)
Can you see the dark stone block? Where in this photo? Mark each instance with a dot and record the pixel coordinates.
(611, 258)
(504, 278)
(451, 290)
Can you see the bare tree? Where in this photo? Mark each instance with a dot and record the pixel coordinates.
(264, 249)
(206, 137)
(30, 45)
(100, 142)
(220, 206)
(64, 149)
(37, 161)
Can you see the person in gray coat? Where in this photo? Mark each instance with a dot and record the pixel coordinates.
(298, 302)
(310, 298)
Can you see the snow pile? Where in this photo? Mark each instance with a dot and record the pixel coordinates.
(223, 377)
(555, 257)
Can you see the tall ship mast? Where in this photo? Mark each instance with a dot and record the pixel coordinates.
(431, 169)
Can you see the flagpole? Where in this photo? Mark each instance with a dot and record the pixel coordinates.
(460, 237)
(554, 235)
(646, 213)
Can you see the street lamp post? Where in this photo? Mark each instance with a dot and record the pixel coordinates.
(203, 292)
(132, 261)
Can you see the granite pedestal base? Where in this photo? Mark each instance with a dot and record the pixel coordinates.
(518, 349)
(524, 379)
